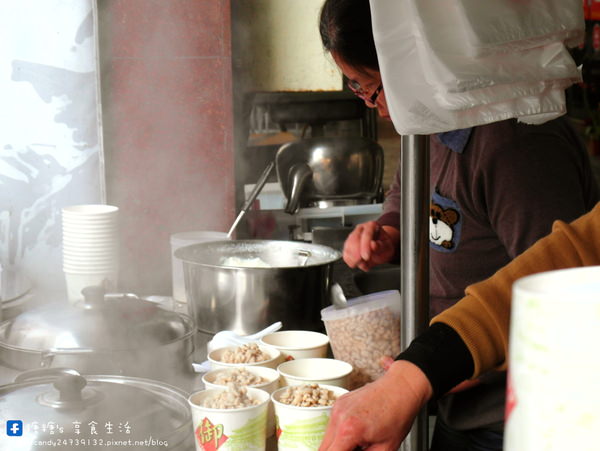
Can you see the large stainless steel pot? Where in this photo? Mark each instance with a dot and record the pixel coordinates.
(293, 289)
(61, 409)
(327, 171)
(112, 334)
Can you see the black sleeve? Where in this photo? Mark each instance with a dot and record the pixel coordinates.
(442, 355)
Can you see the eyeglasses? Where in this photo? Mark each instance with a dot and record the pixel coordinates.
(358, 91)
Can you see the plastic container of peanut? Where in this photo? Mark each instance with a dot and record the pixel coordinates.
(364, 332)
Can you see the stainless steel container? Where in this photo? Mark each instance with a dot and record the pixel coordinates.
(62, 409)
(246, 298)
(112, 334)
(327, 171)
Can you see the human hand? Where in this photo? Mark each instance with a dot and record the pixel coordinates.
(379, 415)
(369, 245)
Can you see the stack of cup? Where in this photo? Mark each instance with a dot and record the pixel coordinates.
(90, 248)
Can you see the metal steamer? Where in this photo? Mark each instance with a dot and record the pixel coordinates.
(86, 411)
(104, 334)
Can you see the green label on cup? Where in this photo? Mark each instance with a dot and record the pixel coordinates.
(307, 434)
(251, 436)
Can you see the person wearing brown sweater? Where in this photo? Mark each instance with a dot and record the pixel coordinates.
(495, 189)
(467, 341)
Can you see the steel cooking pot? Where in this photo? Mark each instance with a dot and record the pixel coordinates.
(227, 290)
(329, 170)
(60, 408)
(103, 334)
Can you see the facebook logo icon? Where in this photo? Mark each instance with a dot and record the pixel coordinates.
(14, 428)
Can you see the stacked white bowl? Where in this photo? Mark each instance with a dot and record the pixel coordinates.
(90, 247)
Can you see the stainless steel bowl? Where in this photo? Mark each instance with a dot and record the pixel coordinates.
(329, 169)
(245, 299)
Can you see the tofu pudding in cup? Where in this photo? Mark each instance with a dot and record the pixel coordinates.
(263, 378)
(250, 354)
(230, 418)
(302, 413)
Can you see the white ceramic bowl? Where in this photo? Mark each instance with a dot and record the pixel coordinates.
(298, 344)
(214, 357)
(315, 371)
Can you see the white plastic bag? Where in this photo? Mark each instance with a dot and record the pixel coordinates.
(510, 25)
(417, 105)
(475, 29)
(450, 72)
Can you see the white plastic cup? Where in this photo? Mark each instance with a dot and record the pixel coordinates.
(77, 281)
(553, 392)
(89, 210)
(90, 248)
(89, 229)
(107, 269)
(229, 429)
(182, 239)
(90, 234)
(322, 371)
(88, 256)
(90, 220)
(298, 344)
(89, 252)
(90, 260)
(272, 383)
(92, 239)
(91, 267)
(301, 428)
(79, 245)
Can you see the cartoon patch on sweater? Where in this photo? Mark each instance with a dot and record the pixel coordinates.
(444, 224)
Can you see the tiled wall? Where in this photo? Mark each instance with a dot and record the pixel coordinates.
(167, 102)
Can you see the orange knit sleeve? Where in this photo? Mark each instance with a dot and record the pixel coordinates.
(482, 317)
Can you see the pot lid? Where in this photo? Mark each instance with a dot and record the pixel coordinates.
(98, 323)
(60, 403)
(271, 254)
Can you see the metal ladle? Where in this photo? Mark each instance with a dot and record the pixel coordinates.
(338, 299)
(253, 195)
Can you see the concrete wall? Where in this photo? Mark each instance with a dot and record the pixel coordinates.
(281, 48)
(167, 102)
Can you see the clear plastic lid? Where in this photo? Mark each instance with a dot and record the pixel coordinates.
(363, 304)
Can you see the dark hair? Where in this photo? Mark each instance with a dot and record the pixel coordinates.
(346, 30)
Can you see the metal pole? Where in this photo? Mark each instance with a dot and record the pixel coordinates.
(414, 258)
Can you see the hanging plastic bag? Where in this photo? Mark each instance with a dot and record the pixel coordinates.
(412, 102)
(469, 28)
(448, 65)
(509, 25)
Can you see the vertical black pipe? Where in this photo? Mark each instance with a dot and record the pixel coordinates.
(414, 257)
